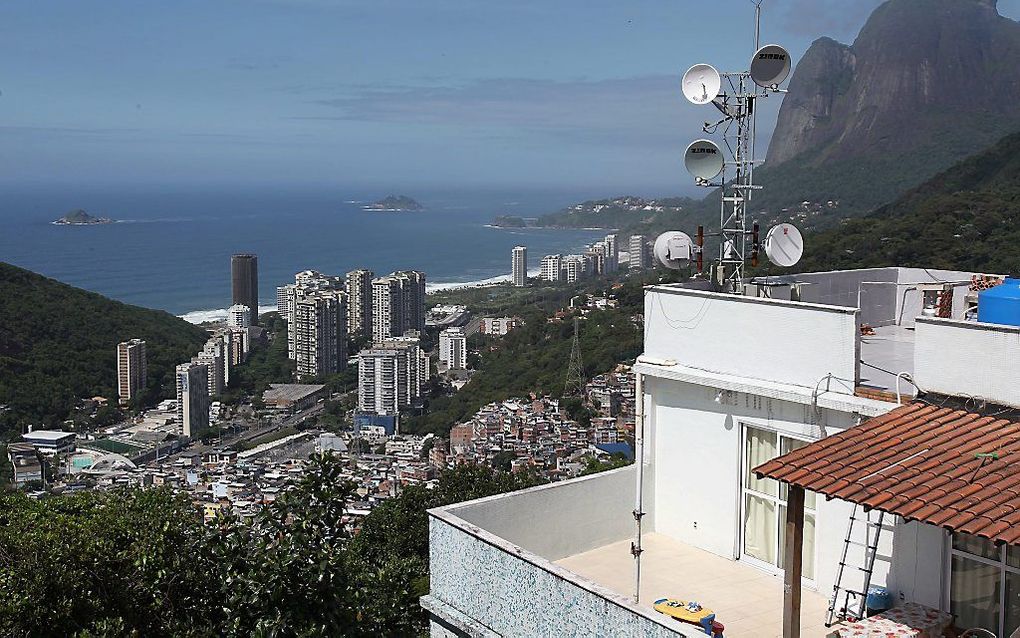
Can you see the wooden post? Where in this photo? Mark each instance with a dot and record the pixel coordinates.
(793, 563)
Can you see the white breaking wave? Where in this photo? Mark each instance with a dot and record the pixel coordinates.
(491, 281)
(220, 314)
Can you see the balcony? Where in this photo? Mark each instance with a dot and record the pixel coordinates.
(555, 560)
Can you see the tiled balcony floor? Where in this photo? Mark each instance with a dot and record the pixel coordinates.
(747, 601)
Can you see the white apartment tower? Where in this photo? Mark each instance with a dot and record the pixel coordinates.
(391, 375)
(192, 398)
(639, 255)
(239, 316)
(212, 357)
(398, 304)
(453, 348)
(575, 267)
(305, 283)
(519, 266)
(552, 268)
(131, 369)
(320, 332)
(359, 300)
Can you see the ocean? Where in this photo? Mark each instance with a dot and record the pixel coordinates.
(170, 248)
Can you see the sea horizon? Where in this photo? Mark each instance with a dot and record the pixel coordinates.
(171, 250)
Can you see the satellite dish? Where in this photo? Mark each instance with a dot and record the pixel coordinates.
(770, 66)
(674, 249)
(701, 83)
(784, 245)
(704, 159)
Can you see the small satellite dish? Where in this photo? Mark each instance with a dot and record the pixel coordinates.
(674, 249)
(770, 66)
(701, 83)
(784, 245)
(704, 159)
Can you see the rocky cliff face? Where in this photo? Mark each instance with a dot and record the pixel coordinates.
(917, 68)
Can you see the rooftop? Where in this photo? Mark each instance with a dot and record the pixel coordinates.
(48, 436)
(290, 391)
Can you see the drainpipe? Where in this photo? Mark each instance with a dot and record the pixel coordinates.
(639, 459)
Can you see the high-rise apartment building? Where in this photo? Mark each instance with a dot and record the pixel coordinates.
(244, 283)
(359, 299)
(192, 398)
(519, 265)
(212, 358)
(391, 376)
(552, 267)
(398, 304)
(453, 348)
(576, 267)
(306, 282)
(612, 253)
(639, 255)
(131, 369)
(239, 316)
(320, 332)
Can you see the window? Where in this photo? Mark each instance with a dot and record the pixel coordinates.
(984, 585)
(764, 503)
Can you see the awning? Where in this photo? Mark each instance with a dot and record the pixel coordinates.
(945, 467)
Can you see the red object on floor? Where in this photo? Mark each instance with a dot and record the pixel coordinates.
(717, 628)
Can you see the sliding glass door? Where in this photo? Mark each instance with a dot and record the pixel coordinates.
(764, 504)
(984, 585)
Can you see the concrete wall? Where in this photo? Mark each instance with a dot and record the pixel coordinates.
(919, 564)
(723, 333)
(968, 359)
(698, 469)
(482, 585)
(561, 519)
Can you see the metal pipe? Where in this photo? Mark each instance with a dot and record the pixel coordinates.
(639, 459)
(905, 375)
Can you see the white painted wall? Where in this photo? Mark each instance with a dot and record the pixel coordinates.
(918, 570)
(968, 359)
(724, 333)
(697, 466)
(562, 519)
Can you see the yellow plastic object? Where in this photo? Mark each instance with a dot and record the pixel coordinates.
(678, 609)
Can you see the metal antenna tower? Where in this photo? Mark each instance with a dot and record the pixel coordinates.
(575, 370)
(731, 169)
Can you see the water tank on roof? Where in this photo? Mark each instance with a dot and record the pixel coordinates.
(1001, 304)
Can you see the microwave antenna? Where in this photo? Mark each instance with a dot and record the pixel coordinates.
(729, 165)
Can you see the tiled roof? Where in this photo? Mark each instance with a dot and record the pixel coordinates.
(920, 462)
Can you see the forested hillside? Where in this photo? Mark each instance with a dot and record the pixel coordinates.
(967, 217)
(58, 345)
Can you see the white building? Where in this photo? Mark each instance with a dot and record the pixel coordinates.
(576, 267)
(391, 376)
(453, 348)
(212, 358)
(320, 332)
(552, 268)
(239, 316)
(192, 398)
(726, 384)
(359, 297)
(398, 304)
(640, 256)
(131, 369)
(519, 266)
(498, 326)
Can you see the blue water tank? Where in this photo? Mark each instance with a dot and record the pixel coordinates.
(1001, 304)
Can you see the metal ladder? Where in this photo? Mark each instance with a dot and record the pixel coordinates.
(859, 597)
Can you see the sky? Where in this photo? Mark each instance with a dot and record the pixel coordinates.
(391, 94)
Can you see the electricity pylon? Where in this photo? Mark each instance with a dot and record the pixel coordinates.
(575, 370)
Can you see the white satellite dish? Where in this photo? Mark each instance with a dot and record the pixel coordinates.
(704, 159)
(784, 245)
(770, 66)
(701, 84)
(674, 249)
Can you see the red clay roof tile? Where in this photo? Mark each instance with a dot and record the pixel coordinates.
(920, 462)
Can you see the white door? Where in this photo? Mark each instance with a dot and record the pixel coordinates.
(764, 505)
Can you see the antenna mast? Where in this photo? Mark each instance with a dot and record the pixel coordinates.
(735, 95)
(575, 369)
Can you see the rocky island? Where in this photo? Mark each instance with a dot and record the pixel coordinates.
(78, 217)
(394, 203)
